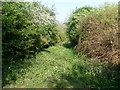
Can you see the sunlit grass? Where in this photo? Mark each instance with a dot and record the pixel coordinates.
(59, 66)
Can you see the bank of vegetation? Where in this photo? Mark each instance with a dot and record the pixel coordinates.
(27, 28)
(94, 32)
(38, 54)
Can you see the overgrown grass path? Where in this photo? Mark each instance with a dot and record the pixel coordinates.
(58, 66)
(49, 65)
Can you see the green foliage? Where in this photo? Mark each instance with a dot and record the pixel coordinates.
(72, 30)
(93, 31)
(26, 29)
(30, 27)
(95, 34)
(60, 67)
(61, 27)
(98, 38)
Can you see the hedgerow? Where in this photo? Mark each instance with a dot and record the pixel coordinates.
(95, 32)
(27, 28)
(72, 30)
(100, 39)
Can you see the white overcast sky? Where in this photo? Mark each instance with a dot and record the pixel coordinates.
(63, 8)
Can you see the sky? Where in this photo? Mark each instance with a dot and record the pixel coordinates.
(63, 8)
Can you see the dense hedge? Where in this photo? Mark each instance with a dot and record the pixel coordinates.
(72, 31)
(96, 32)
(27, 28)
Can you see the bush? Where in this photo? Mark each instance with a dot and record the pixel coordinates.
(95, 32)
(99, 39)
(72, 31)
(27, 28)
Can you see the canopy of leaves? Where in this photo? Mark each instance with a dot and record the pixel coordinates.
(27, 28)
(73, 20)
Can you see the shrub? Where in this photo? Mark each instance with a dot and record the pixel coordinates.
(72, 30)
(95, 32)
(27, 28)
(100, 38)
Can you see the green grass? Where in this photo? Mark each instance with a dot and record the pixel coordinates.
(58, 67)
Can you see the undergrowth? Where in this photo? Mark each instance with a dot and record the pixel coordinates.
(59, 67)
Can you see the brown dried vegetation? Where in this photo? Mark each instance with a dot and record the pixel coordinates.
(100, 40)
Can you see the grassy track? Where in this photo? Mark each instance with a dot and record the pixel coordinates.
(49, 64)
(59, 66)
